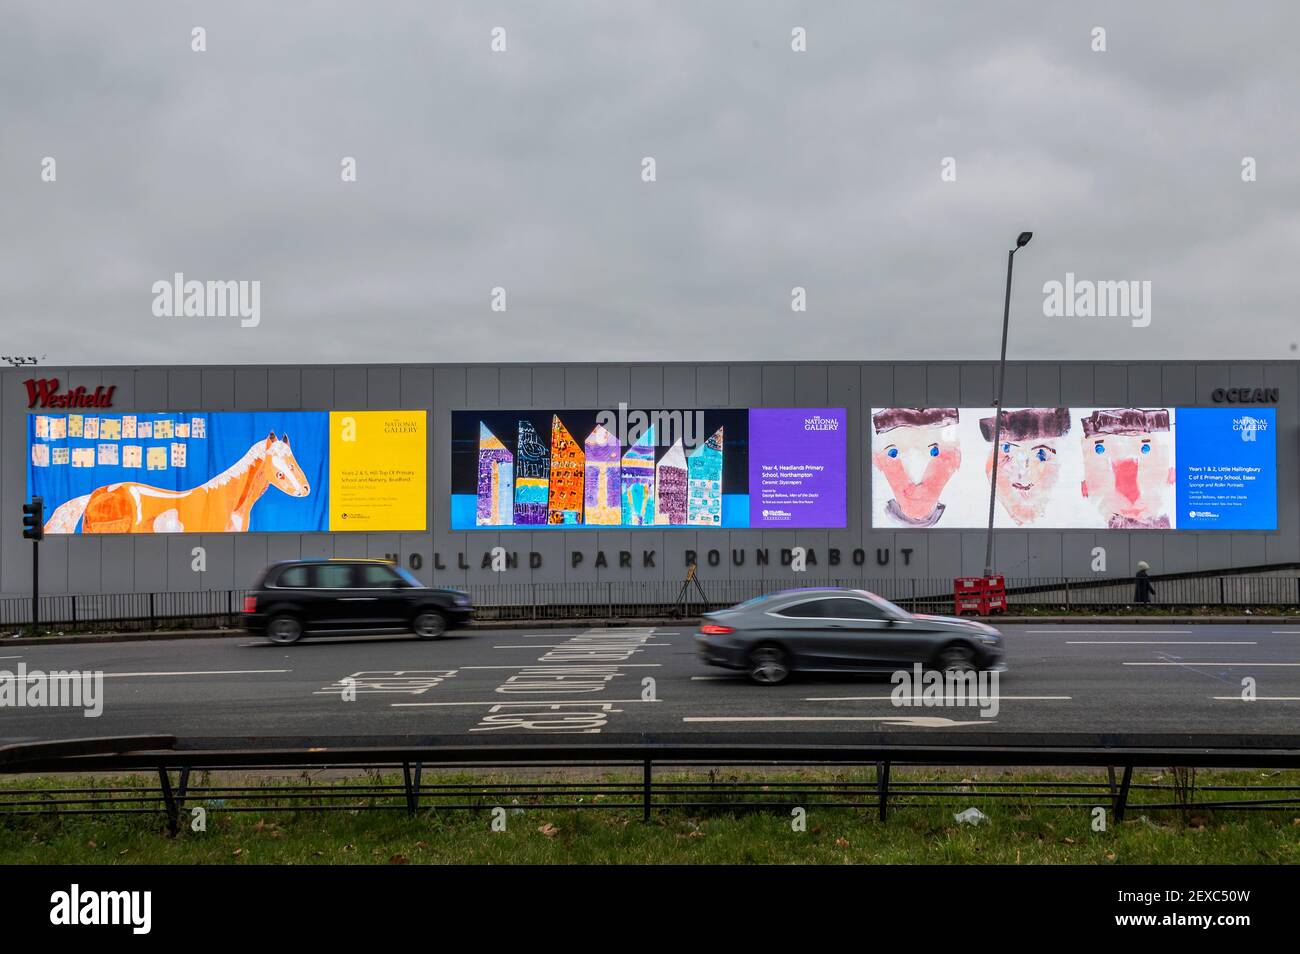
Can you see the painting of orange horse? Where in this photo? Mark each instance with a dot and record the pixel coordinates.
(222, 505)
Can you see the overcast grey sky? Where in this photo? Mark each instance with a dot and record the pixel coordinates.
(523, 169)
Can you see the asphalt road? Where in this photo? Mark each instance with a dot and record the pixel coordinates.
(582, 683)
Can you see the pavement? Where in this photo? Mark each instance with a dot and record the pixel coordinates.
(585, 682)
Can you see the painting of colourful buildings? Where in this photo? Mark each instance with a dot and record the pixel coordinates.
(595, 481)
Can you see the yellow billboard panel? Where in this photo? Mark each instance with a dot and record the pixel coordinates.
(378, 463)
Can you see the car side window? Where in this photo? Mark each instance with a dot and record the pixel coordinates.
(333, 576)
(854, 609)
(295, 577)
(809, 609)
(377, 575)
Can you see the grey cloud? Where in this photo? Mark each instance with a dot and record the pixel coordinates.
(522, 170)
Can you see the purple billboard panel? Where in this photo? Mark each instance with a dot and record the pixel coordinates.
(797, 475)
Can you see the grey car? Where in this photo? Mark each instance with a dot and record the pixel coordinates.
(840, 630)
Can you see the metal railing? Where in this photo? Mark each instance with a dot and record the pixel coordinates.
(638, 774)
(196, 608)
(637, 599)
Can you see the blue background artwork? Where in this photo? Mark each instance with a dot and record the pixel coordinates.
(229, 436)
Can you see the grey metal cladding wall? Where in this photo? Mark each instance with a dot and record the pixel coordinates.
(114, 564)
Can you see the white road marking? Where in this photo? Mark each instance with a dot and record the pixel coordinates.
(1286, 632)
(1155, 642)
(712, 678)
(543, 665)
(1209, 664)
(575, 646)
(926, 721)
(1001, 698)
(532, 702)
(1258, 699)
(132, 675)
(1118, 632)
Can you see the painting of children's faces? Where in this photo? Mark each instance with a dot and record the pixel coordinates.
(1057, 467)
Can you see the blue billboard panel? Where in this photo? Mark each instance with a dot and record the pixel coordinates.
(1227, 469)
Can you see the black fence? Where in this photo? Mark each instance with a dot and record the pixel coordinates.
(630, 600)
(645, 776)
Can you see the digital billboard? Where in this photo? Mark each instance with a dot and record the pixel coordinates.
(1075, 468)
(229, 471)
(605, 469)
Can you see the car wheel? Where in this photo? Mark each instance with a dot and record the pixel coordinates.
(956, 658)
(769, 665)
(429, 625)
(284, 630)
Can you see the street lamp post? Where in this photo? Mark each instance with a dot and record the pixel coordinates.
(1021, 241)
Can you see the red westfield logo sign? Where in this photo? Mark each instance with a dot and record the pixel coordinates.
(44, 392)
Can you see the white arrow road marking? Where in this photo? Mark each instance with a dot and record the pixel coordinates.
(932, 722)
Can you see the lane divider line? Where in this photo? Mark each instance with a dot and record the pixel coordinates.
(579, 646)
(1252, 664)
(1107, 629)
(1257, 699)
(545, 665)
(918, 699)
(133, 675)
(1154, 642)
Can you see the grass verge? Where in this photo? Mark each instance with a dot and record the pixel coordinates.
(1016, 830)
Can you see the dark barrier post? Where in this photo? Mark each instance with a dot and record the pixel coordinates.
(1122, 801)
(645, 792)
(169, 800)
(412, 790)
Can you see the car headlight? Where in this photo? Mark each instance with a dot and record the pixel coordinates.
(460, 600)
